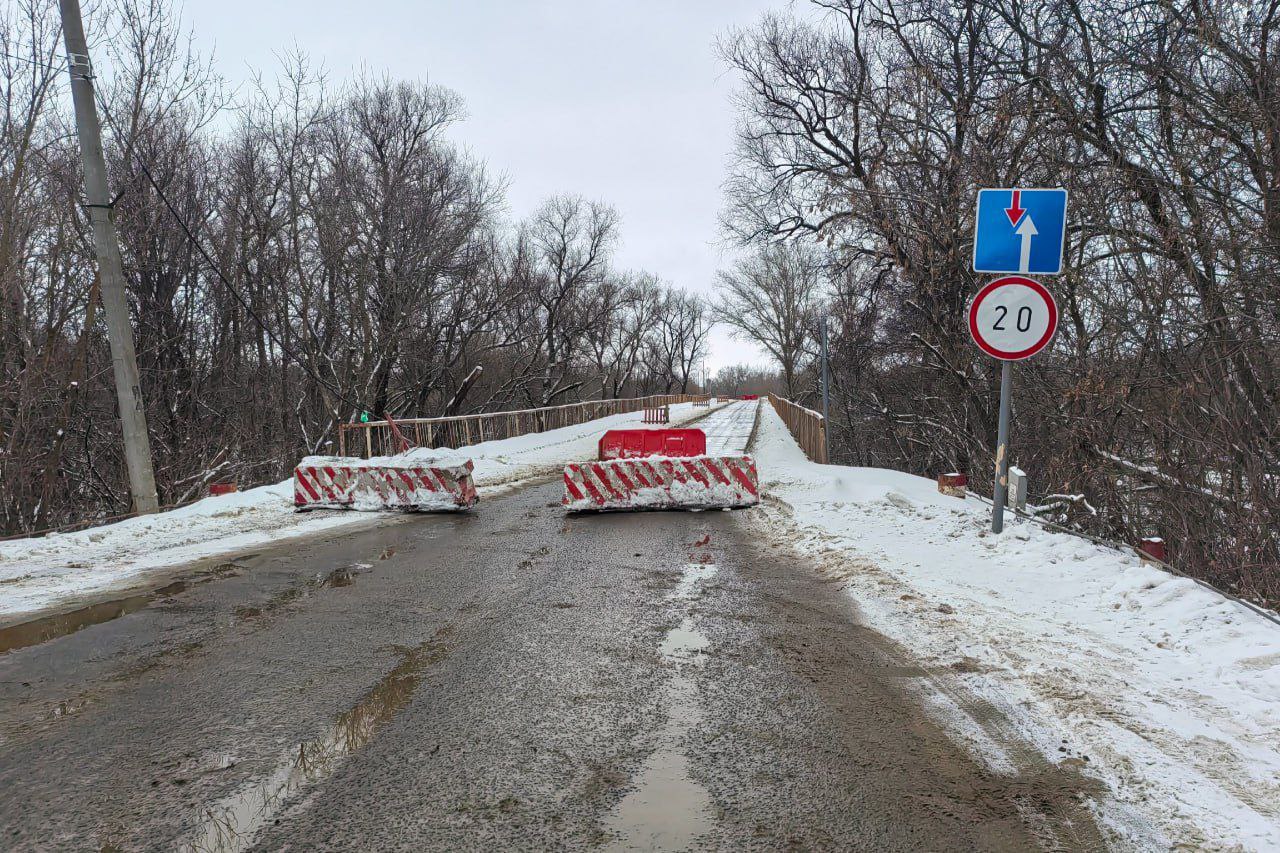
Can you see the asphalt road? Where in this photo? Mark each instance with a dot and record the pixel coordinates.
(507, 679)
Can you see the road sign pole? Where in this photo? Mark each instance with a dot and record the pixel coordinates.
(826, 393)
(1002, 449)
(1019, 230)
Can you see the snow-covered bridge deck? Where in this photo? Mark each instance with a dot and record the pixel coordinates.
(729, 428)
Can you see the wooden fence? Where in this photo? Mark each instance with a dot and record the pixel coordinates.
(382, 438)
(807, 427)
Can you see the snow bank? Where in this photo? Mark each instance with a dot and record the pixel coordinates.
(1166, 691)
(59, 569)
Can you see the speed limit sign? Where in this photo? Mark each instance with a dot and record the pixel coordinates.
(1013, 318)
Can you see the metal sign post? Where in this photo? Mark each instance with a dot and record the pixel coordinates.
(1002, 449)
(826, 394)
(1012, 318)
(1017, 231)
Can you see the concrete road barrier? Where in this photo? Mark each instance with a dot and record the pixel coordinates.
(335, 482)
(694, 482)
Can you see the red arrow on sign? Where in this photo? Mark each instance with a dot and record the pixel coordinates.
(1015, 211)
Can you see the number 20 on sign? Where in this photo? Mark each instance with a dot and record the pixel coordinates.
(1013, 318)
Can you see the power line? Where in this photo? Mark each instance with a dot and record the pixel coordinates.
(36, 62)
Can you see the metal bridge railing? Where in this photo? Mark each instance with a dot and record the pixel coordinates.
(807, 427)
(386, 438)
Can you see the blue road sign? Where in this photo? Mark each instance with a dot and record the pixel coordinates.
(1020, 231)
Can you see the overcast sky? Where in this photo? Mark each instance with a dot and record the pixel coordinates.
(620, 101)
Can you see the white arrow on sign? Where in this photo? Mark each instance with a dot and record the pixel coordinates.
(1026, 230)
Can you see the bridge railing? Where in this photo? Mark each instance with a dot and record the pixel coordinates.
(807, 427)
(386, 438)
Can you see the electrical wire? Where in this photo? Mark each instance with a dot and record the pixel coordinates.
(34, 62)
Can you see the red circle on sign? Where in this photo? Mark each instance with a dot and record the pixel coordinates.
(1027, 352)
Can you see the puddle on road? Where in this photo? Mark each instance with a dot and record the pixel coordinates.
(666, 808)
(694, 574)
(683, 640)
(231, 824)
(343, 576)
(57, 625)
(61, 624)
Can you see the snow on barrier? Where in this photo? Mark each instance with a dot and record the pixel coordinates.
(336, 482)
(659, 482)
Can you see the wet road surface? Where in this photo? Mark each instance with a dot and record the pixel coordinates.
(506, 679)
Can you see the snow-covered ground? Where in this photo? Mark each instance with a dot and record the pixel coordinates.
(1161, 688)
(58, 570)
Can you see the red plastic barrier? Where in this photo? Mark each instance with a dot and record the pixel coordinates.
(693, 482)
(637, 443)
(340, 483)
(751, 396)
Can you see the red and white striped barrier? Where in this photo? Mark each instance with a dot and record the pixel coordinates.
(342, 483)
(662, 483)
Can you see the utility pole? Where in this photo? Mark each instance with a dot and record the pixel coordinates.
(124, 360)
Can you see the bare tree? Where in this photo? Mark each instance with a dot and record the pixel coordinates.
(572, 239)
(870, 124)
(770, 297)
(679, 339)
